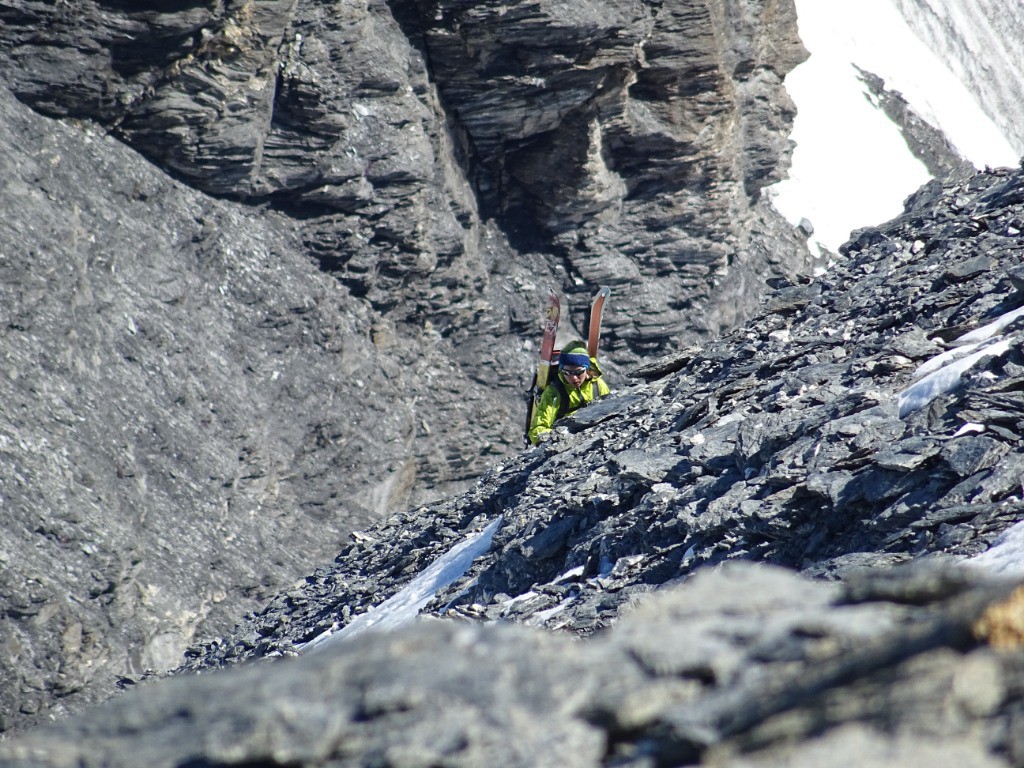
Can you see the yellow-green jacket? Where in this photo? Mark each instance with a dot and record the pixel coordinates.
(545, 413)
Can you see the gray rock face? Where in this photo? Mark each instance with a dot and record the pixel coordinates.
(625, 140)
(664, 128)
(210, 381)
(327, 115)
(273, 270)
(171, 394)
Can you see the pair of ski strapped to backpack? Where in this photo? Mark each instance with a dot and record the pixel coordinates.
(547, 365)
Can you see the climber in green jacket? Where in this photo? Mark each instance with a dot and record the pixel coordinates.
(577, 383)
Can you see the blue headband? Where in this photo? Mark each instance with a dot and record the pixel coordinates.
(580, 359)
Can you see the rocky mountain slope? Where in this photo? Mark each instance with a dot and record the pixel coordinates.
(173, 381)
(811, 438)
(765, 552)
(272, 270)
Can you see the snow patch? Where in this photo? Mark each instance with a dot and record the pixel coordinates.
(1006, 555)
(947, 378)
(942, 360)
(403, 607)
(851, 166)
(986, 332)
(970, 428)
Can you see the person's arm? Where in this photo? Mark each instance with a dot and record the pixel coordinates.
(544, 414)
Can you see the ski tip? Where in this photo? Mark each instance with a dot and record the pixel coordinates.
(603, 292)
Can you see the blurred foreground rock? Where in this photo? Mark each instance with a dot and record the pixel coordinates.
(743, 665)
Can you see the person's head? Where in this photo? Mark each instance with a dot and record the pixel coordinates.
(574, 362)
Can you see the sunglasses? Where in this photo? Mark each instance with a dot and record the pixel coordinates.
(574, 371)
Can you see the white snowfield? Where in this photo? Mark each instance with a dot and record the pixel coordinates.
(980, 41)
(851, 166)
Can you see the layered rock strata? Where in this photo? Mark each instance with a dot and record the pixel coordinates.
(626, 141)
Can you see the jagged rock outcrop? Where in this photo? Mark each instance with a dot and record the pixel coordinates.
(926, 142)
(272, 269)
